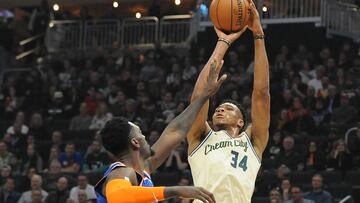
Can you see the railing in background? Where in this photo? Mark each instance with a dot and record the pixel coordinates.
(140, 32)
(104, 33)
(343, 20)
(34, 39)
(175, 29)
(281, 11)
(64, 34)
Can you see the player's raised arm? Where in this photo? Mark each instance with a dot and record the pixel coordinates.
(180, 126)
(200, 125)
(260, 104)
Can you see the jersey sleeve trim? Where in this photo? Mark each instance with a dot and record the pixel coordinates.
(252, 148)
(202, 143)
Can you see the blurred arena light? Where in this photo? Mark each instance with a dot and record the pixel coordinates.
(51, 24)
(56, 7)
(138, 15)
(115, 4)
(177, 2)
(264, 9)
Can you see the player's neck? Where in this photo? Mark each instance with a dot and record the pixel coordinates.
(133, 160)
(234, 132)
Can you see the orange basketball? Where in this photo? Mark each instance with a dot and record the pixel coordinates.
(230, 15)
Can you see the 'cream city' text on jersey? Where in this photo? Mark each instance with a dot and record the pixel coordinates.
(225, 166)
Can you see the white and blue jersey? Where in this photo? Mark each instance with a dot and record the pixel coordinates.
(145, 181)
(225, 166)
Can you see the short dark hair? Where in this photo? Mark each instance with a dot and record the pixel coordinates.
(116, 135)
(242, 111)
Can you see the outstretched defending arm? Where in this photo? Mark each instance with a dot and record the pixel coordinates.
(200, 125)
(180, 126)
(260, 104)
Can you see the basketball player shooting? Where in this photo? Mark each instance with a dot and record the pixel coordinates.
(225, 160)
(128, 180)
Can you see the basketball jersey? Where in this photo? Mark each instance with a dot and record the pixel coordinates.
(225, 166)
(145, 181)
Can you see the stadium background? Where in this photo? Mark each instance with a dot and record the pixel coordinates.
(67, 67)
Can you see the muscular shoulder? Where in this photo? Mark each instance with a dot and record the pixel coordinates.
(123, 173)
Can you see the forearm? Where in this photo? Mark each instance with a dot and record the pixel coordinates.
(174, 133)
(184, 121)
(261, 66)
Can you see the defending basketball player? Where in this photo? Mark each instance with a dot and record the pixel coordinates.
(225, 159)
(128, 179)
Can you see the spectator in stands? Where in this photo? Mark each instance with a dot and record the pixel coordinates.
(353, 140)
(297, 196)
(316, 82)
(57, 140)
(285, 187)
(274, 146)
(340, 158)
(96, 160)
(345, 113)
(289, 157)
(32, 160)
(37, 127)
(274, 196)
(82, 197)
(71, 160)
(299, 118)
(8, 193)
(54, 154)
(82, 185)
(131, 111)
(19, 123)
(318, 194)
(118, 108)
(7, 158)
(6, 173)
(101, 116)
(61, 193)
(36, 196)
(177, 160)
(58, 108)
(333, 99)
(81, 121)
(315, 159)
(320, 115)
(36, 184)
(153, 137)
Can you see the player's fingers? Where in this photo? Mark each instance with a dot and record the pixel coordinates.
(211, 195)
(219, 66)
(201, 198)
(206, 197)
(212, 67)
(222, 79)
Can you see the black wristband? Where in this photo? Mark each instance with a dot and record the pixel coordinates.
(256, 37)
(225, 41)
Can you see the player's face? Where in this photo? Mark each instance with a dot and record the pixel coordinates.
(144, 147)
(227, 114)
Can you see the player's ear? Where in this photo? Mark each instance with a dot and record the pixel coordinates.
(134, 143)
(240, 123)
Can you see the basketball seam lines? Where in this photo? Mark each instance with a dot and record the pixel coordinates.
(217, 14)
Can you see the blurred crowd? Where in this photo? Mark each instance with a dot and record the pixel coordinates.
(50, 149)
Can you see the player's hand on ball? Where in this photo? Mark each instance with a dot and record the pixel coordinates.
(189, 192)
(213, 80)
(254, 22)
(232, 37)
